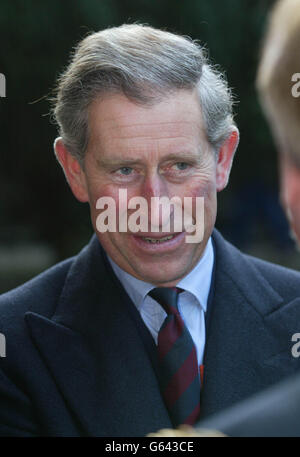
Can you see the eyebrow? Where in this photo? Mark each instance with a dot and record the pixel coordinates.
(123, 161)
(182, 156)
(117, 161)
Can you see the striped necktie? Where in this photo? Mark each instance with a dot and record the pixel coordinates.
(179, 376)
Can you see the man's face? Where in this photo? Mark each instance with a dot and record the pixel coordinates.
(153, 151)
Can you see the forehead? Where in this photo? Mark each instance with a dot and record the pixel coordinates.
(117, 120)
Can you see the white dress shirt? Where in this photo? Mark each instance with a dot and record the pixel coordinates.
(192, 302)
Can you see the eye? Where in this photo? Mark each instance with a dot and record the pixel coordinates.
(125, 171)
(181, 165)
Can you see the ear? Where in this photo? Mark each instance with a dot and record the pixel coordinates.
(72, 169)
(225, 158)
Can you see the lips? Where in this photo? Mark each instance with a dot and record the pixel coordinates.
(157, 242)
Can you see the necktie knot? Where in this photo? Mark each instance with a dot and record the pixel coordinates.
(167, 297)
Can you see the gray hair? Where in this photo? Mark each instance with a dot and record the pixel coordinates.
(145, 64)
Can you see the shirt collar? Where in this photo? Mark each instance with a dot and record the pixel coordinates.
(197, 281)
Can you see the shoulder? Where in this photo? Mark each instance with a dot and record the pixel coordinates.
(281, 278)
(253, 274)
(40, 294)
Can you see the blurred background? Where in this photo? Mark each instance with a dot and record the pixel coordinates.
(41, 223)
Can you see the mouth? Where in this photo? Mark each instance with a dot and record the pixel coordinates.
(158, 240)
(155, 243)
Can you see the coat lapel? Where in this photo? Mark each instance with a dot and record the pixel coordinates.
(248, 345)
(93, 348)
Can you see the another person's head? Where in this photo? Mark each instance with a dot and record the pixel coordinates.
(278, 82)
(141, 110)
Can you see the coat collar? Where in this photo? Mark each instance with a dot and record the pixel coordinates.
(248, 340)
(108, 382)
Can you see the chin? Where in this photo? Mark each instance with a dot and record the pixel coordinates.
(160, 277)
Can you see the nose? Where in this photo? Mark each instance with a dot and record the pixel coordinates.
(153, 188)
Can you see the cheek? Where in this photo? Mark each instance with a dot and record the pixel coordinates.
(206, 189)
(202, 187)
(97, 191)
(115, 212)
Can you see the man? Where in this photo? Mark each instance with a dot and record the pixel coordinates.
(119, 340)
(275, 411)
